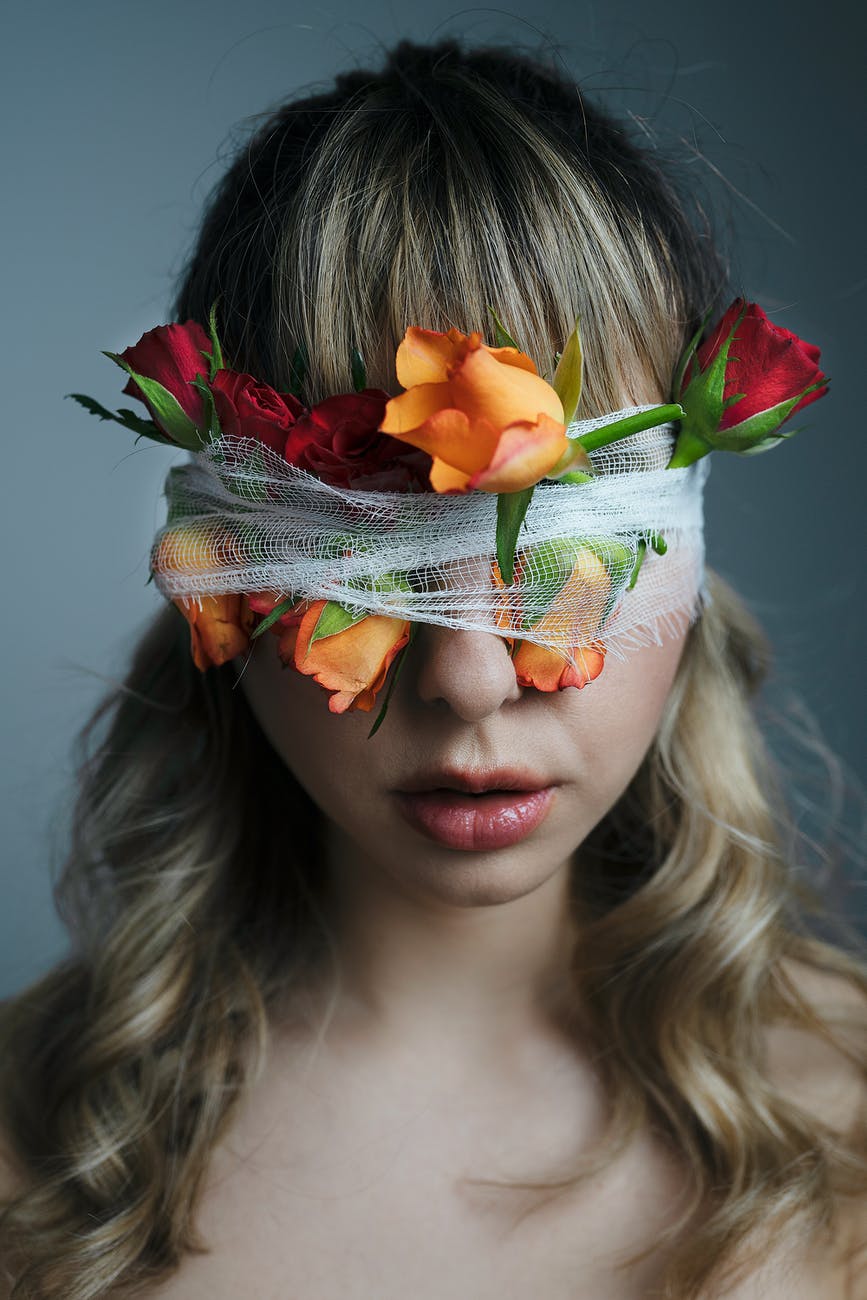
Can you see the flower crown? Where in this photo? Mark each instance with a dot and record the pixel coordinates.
(472, 418)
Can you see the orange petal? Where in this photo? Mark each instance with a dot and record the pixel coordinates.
(410, 410)
(423, 356)
(353, 663)
(580, 605)
(514, 357)
(451, 436)
(525, 454)
(444, 478)
(219, 630)
(502, 394)
(548, 670)
(186, 549)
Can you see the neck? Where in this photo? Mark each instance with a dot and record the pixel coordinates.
(423, 972)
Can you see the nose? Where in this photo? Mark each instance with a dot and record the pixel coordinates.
(469, 672)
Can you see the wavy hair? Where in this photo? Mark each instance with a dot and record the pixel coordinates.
(448, 181)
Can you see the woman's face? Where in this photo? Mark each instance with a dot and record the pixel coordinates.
(474, 790)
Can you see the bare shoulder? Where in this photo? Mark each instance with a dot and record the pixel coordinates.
(823, 1073)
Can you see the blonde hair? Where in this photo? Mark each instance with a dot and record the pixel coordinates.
(448, 182)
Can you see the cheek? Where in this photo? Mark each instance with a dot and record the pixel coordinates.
(617, 716)
(318, 747)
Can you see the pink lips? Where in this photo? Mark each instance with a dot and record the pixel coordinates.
(476, 812)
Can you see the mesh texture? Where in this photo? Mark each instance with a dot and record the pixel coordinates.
(241, 519)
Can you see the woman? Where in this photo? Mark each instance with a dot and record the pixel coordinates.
(514, 997)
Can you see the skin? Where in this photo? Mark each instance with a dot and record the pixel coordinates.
(438, 1059)
(345, 1171)
(448, 946)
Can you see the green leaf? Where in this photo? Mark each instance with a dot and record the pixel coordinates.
(395, 673)
(502, 337)
(359, 372)
(574, 476)
(128, 419)
(298, 370)
(568, 376)
(212, 422)
(168, 413)
(741, 437)
(271, 618)
(216, 358)
(144, 428)
(335, 618)
(511, 510)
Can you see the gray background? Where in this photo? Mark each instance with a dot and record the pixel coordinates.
(115, 117)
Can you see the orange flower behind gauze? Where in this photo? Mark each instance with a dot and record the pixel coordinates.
(220, 625)
(485, 415)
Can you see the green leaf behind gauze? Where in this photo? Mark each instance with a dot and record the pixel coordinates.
(511, 511)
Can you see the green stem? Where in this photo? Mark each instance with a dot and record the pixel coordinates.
(609, 433)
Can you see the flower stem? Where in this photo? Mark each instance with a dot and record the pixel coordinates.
(609, 433)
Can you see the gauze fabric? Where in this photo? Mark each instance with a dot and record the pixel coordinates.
(243, 520)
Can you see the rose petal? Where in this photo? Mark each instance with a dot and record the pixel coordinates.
(412, 409)
(449, 435)
(445, 478)
(423, 356)
(219, 629)
(525, 453)
(503, 396)
(549, 670)
(353, 663)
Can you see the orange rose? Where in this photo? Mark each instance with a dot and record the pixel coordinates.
(548, 670)
(219, 629)
(484, 414)
(353, 663)
(220, 625)
(588, 587)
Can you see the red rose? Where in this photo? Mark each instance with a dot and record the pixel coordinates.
(339, 441)
(172, 355)
(746, 379)
(247, 408)
(767, 363)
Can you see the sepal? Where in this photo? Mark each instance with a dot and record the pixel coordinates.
(568, 377)
(170, 416)
(502, 337)
(215, 359)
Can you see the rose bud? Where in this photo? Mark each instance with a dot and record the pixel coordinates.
(162, 367)
(746, 379)
(485, 415)
(247, 408)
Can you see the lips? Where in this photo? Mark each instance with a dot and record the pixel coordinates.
(476, 811)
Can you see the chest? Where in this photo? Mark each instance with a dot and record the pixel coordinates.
(340, 1193)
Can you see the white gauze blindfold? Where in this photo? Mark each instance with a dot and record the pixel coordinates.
(241, 519)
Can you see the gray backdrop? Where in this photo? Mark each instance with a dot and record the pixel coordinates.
(115, 117)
